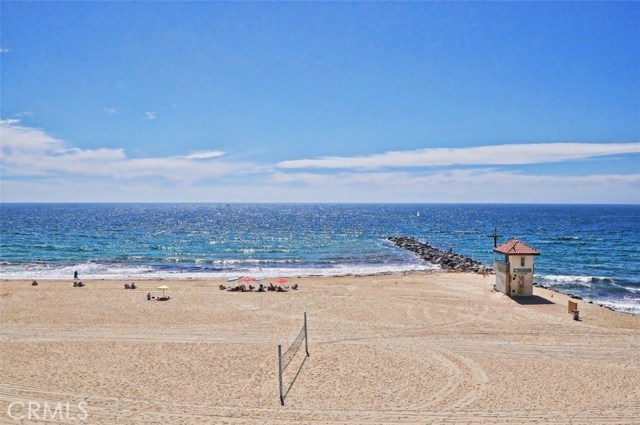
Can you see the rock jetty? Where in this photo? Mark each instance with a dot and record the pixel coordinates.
(446, 259)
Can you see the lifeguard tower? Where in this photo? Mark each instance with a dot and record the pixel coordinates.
(513, 266)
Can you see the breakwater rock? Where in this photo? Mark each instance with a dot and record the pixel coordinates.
(446, 259)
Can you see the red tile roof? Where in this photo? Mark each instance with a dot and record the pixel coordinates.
(515, 247)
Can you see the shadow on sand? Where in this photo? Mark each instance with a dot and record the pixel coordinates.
(532, 300)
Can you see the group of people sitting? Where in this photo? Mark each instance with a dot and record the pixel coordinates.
(261, 288)
(132, 286)
(78, 284)
(159, 298)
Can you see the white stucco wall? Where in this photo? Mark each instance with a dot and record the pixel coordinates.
(501, 271)
(521, 281)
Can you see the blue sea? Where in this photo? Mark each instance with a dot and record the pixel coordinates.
(592, 251)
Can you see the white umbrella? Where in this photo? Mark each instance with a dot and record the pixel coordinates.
(163, 288)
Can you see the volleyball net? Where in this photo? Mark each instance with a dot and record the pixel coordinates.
(284, 359)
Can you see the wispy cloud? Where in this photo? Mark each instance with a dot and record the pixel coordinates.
(110, 111)
(513, 154)
(446, 186)
(457, 176)
(476, 185)
(4, 50)
(36, 166)
(27, 151)
(150, 116)
(205, 155)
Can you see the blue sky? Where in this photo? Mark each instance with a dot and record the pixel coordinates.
(320, 102)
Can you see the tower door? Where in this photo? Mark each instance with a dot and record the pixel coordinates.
(520, 284)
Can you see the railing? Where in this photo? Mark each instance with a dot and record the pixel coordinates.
(500, 266)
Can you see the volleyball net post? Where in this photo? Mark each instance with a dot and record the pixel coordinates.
(280, 373)
(306, 336)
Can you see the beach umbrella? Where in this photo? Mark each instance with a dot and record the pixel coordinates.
(281, 280)
(247, 278)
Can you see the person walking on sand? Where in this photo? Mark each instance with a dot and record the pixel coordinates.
(75, 275)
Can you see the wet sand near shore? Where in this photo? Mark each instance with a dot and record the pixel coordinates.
(415, 348)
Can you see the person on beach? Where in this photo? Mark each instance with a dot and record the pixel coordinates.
(148, 296)
(75, 275)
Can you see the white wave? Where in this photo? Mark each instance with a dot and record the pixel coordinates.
(579, 279)
(97, 271)
(85, 271)
(564, 278)
(625, 305)
(627, 288)
(227, 262)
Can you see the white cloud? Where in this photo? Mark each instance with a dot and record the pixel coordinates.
(4, 50)
(110, 111)
(36, 166)
(9, 122)
(478, 185)
(29, 151)
(482, 155)
(205, 155)
(477, 177)
(150, 116)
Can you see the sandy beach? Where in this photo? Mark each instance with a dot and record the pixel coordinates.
(415, 348)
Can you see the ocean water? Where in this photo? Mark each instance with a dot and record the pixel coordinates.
(588, 250)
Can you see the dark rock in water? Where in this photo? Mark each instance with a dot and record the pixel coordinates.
(446, 259)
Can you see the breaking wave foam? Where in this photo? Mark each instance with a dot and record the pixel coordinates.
(103, 271)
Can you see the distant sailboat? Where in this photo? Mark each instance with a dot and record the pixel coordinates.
(418, 214)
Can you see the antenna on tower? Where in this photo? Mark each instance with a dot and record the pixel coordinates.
(495, 237)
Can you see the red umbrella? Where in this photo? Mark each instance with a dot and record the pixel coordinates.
(247, 278)
(281, 280)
